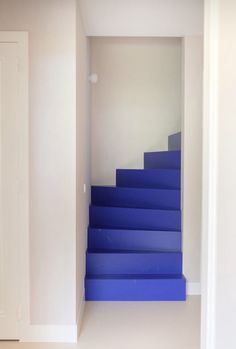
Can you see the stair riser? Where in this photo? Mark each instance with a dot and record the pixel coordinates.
(134, 240)
(140, 219)
(134, 263)
(167, 160)
(163, 179)
(174, 142)
(138, 198)
(135, 290)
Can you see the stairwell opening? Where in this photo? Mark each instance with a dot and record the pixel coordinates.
(134, 235)
(145, 227)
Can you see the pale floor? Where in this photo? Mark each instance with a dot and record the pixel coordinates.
(133, 325)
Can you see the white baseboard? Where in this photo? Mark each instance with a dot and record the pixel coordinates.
(50, 333)
(69, 334)
(54, 333)
(193, 288)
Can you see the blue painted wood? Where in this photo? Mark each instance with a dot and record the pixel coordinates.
(153, 178)
(133, 262)
(135, 288)
(163, 199)
(162, 159)
(174, 141)
(134, 218)
(139, 240)
(134, 238)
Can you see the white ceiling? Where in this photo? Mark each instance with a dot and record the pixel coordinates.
(142, 17)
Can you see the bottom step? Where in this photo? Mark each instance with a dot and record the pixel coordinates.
(135, 288)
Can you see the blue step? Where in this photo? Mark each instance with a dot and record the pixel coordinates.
(162, 159)
(134, 218)
(159, 178)
(135, 288)
(163, 199)
(139, 240)
(133, 262)
(174, 141)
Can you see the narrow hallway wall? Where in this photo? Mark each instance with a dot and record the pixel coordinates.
(83, 129)
(52, 50)
(136, 102)
(192, 157)
(225, 106)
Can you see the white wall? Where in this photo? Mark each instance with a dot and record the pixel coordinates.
(219, 172)
(142, 17)
(52, 43)
(192, 155)
(83, 159)
(226, 190)
(136, 102)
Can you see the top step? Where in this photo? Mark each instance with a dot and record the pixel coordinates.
(174, 141)
(162, 159)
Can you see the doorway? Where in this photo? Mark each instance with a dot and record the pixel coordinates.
(14, 218)
(122, 106)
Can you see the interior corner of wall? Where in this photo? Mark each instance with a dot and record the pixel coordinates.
(80, 313)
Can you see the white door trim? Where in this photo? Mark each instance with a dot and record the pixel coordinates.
(21, 38)
(210, 175)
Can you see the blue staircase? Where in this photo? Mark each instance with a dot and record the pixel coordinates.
(134, 238)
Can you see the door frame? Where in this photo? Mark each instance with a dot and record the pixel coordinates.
(21, 39)
(209, 174)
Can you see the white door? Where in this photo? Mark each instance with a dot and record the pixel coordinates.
(9, 191)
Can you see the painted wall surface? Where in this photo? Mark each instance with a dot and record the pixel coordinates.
(136, 102)
(192, 155)
(226, 189)
(142, 17)
(83, 158)
(52, 50)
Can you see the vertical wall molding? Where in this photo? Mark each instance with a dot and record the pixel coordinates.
(21, 38)
(209, 189)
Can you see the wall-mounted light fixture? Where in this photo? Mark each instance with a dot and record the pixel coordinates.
(93, 78)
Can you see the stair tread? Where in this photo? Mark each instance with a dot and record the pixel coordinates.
(151, 170)
(134, 208)
(134, 230)
(137, 276)
(113, 251)
(137, 188)
(163, 152)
